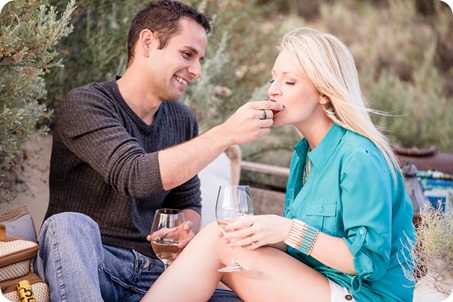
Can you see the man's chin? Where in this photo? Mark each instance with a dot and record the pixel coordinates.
(174, 96)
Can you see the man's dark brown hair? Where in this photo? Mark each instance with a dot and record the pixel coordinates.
(162, 18)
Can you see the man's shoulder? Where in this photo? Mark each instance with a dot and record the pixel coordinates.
(106, 87)
(92, 94)
(87, 99)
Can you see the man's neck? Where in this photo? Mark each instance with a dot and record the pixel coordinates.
(142, 102)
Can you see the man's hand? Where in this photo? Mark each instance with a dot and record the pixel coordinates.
(186, 233)
(251, 121)
(182, 234)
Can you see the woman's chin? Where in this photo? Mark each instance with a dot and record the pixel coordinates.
(278, 122)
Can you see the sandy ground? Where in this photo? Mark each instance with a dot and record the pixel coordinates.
(33, 176)
(34, 193)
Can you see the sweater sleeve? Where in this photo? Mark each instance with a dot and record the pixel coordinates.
(367, 202)
(90, 127)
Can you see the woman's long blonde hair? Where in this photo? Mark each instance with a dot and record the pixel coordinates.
(328, 63)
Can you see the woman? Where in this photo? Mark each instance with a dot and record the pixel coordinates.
(347, 216)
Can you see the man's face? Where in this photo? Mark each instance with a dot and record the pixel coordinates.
(179, 62)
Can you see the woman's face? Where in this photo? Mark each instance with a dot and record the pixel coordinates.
(293, 89)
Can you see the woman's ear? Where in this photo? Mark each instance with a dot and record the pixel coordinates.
(324, 100)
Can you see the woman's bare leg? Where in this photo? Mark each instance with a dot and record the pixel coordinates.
(193, 275)
(274, 275)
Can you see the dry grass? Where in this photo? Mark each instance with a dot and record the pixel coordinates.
(433, 250)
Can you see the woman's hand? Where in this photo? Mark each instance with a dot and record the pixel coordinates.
(259, 230)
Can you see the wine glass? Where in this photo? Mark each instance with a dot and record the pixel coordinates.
(168, 223)
(233, 202)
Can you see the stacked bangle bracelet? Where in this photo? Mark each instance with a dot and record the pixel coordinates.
(301, 236)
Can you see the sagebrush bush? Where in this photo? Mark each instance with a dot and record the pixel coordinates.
(29, 33)
(97, 48)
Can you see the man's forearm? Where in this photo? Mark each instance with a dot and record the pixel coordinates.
(180, 163)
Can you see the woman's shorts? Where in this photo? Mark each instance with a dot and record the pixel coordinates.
(340, 294)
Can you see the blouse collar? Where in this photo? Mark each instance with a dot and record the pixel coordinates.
(326, 148)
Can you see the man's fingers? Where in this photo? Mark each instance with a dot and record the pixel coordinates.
(266, 105)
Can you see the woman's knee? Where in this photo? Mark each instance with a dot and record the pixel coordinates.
(208, 235)
(210, 228)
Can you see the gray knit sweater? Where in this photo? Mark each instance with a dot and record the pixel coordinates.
(104, 163)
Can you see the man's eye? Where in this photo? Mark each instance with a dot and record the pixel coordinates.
(187, 55)
(271, 81)
(290, 83)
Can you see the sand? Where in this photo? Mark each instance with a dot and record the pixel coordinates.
(33, 180)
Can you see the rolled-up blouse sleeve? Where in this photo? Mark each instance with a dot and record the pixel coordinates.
(366, 198)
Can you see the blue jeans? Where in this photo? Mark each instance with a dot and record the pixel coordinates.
(78, 267)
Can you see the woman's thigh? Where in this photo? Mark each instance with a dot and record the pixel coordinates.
(276, 276)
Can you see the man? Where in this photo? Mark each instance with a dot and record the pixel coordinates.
(124, 148)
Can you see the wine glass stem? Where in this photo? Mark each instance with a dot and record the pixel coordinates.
(234, 261)
(166, 264)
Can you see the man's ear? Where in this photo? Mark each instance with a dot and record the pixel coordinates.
(147, 41)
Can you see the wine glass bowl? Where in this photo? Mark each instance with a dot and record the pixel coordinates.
(168, 224)
(233, 202)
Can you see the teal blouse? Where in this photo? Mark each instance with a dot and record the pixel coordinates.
(351, 194)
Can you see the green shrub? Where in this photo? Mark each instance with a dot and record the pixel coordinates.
(29, 33)
(97, 48)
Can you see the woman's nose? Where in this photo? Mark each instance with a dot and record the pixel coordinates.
(273, 90)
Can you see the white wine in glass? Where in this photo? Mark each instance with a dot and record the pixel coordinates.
(168, 223)
(233, 202)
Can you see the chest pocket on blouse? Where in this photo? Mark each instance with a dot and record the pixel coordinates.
(322, 216)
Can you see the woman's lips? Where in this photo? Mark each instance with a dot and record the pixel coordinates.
(274, 112)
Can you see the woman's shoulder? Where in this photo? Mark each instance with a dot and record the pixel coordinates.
(359, 149)
(354, 142)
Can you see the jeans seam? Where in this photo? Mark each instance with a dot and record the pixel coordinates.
(59, 267)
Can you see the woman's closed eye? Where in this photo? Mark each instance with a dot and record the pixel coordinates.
(286, 82)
